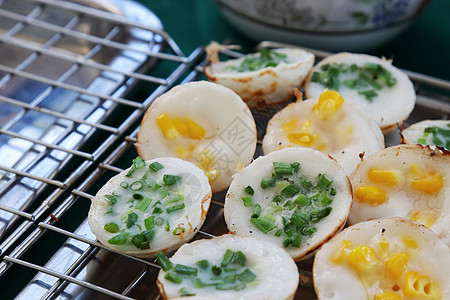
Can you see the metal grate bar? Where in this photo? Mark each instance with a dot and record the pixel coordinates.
(94, 39)
(58, 115)
(68, 86)
(48, 145)
(76, 60)
(56, 183)
(121, 20)
(17, 212)
(67, 278)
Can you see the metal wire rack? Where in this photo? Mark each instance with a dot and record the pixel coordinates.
(51, 169)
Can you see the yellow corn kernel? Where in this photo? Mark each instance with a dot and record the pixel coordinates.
(290, 125)
(166, 126)
(181, 152)
(371, 195)
(415, 170)
(424, 217)
(387, 177)
(410, 243)
(431, 183)
(362, 258)
(180, 126)
(417, 285)
(387, 296)
(212, 175)
(328, 104)
(303, 139)
(195, 131)
(341, 251)
(396, 264)
(384, 247)
(321, 147)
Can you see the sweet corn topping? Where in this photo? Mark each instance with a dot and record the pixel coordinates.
(384, 247)
(290, 125)
(167, 127)
(388, 296)
(410, 243)
(383, 176)
(303, 139)
(328, 104)
(341, 251)
(362, 258)
(195, 130)
(396, 264)
(370, 195)
(431, 183)
(420, 286)
(182, 152)
(415, 170)
(181, 126)
(171, 128)
(206, 163)
(425, 217)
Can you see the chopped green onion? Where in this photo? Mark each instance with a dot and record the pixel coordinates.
(333, 192)
(155, 166)
(289, 205)
(230, 278)
(282, 168)
(295, 166)
(176, 231)
(124, 184)
(239, 257)
(163, 194)
(137, 196)
(320, 213)
(289, 229)
(198, 283)
(263, 224)
(298, 220)
(324, 199)
(229, 269)
(138, 163)
(159, 222)
(172, 277)
(297, 240)
(309, 230)
(171, 179)
(249, 190)
(140, 240)
(203, 264)
(301, 200)
(422, 141)
(147, 179)
(183, 292)
(282, 184)
(247, 276)
(216, 270)
(186, 270)
(247, 201)
(268, 182)
(353, 67)
(278, 232)
(306, 184)
(112, 199)
(111, 227)
(323, 182)
(177, 199)
(290, 190)
(176, 207)
(149, 222)
(131, 219)
(109, 211)
(156, 187)
(144, 204)
(167, 226)
(164, 261)
(369, 94)
(137, 185)
(227, 258)
(287, 242)
(256, 211)
(157, 210)
(278, 198)
(119, 239)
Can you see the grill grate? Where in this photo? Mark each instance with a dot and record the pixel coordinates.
(55, 154)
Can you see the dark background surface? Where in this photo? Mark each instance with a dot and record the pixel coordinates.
(424, 47)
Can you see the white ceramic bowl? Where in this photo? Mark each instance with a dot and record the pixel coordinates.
(337, 25)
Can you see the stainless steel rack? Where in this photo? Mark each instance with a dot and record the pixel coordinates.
(75, 128)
